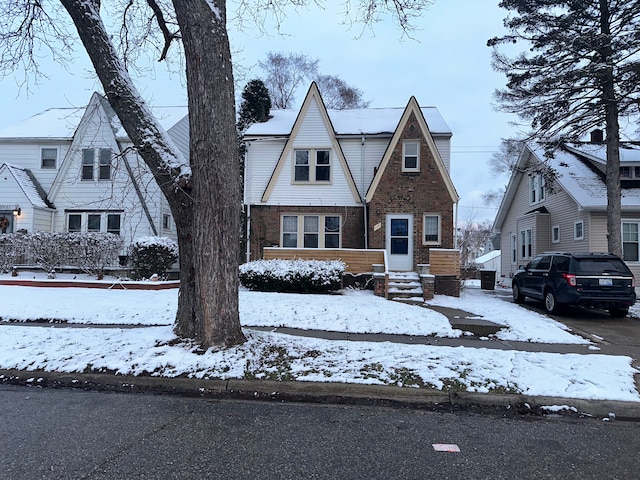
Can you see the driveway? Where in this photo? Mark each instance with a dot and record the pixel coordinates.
(614, 336)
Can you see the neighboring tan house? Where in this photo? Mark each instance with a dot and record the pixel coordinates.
(570, 213)
(73, 169)
(351, 179)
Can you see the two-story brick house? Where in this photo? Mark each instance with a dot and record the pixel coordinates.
(363, 179)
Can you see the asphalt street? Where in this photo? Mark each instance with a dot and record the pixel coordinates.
(73, 434)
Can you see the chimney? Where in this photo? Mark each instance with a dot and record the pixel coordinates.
(597, 136)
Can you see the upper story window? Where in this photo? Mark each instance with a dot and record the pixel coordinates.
(312, 165)
(104, 171)
(87, 164)
(89, 161)
(630, 172)
(166, 221)
(536, 188)
(578, 230)
(48, 157)
(411, 157)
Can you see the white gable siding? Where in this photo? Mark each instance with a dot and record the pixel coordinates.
(312, 133)
(443, 145)
(260, 162)
(27, 155)
(179, 133)
(372, 152)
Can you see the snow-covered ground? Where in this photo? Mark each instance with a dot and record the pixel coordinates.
(142, 342)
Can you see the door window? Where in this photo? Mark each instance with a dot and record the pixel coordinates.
(399, 236)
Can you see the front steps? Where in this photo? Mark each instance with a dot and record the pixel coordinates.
(405, 287)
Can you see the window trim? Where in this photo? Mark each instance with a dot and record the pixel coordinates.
(405, 156)
(526, 244)
(321, 230)
(555, 238)
(635, 222)
(424, 229)
(537, 189)
(86, 167)
(514, 249)
(42, 159)
(104, 221)
(104, 154)
(312, 166)
(575, 230)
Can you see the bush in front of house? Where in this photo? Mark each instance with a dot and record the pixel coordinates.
(152, 255)
(11, 250)
(92, 252)
(296, 276)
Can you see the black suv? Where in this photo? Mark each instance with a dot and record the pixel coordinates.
(598, 280)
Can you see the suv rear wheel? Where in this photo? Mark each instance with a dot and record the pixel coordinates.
(518, 297)
(618, 312)
(550, 302)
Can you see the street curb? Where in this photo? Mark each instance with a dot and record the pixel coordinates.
(328, 393)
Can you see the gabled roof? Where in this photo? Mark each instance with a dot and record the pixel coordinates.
(61, 123)
(412, 108)
(32, 190)
(313, 95)
(579, 169)
(359, 121)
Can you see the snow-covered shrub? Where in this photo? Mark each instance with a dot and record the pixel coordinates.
(11, 250)
(92, 252)
(151, 255)
(48, 250)
(302, 276)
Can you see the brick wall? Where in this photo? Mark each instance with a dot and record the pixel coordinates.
(265, 225)
(412, 193)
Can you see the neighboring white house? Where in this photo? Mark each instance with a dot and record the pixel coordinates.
(489, 261)
(570, 214)
(73, 169)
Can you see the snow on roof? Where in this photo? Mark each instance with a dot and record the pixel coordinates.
(56, 123)
(487, 256)
(357, 121)
(583, 183)
(26, 183)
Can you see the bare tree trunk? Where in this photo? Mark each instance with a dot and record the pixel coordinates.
(205, 209)
(214, 160)
(612, 127)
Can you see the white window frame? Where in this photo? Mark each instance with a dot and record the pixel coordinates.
(42, 158)
(312, 165)
(555, 234)
(578, 235)
(321, 231)
(636, 241)
(166, 222)
(514, 249)
(526, 243)
(405, 156)
(424, 229)
(104, 164)
(537, 192)
(86, 166)
(105, 226)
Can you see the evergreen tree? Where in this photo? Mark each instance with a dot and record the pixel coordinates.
(255, 106)
(580, 71)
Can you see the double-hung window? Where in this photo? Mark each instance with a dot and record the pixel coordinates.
(104, 171)
(631, 241)
(536, 189)
(526, 246)
(312, 166)
(87, 163)
(49, 157)
(578, 230)
(311, 231)
(431, 229)
(411, 157)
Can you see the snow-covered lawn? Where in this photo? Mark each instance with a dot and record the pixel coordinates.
(149, 346)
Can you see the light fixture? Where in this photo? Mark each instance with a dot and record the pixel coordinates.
(17, 211)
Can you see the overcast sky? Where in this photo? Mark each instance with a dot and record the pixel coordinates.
(446, 65)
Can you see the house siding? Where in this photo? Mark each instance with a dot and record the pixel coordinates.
(312, 133)
(265, 225)
(365, 156)
(411, 193)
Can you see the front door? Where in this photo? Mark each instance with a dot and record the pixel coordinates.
(399, 242)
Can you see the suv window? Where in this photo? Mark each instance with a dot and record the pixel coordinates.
(544, 263)
(598, 266)
(562, 264)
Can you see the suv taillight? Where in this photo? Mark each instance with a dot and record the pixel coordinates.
(570, 278)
